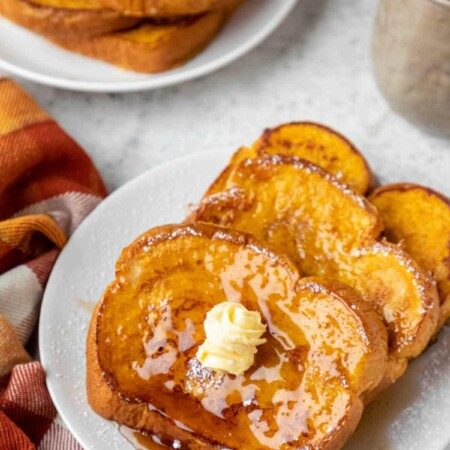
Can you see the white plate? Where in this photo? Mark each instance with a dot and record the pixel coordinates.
(30, 56)
(414, 414)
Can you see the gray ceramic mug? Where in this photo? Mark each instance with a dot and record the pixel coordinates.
(411, 57)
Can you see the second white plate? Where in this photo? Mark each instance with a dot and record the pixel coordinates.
(412, 415)
(30, 56)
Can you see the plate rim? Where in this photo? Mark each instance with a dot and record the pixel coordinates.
(285, 8)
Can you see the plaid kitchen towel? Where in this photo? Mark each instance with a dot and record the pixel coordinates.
(47, 187)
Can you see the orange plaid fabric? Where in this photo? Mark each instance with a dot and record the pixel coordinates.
(47, 186)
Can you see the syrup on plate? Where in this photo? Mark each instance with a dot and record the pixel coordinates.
(144, 442)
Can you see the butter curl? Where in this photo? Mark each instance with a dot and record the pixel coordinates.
(233, 334)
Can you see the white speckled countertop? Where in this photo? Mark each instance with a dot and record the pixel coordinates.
(315, 67)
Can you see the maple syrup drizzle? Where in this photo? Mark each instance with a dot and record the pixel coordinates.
(289, 395)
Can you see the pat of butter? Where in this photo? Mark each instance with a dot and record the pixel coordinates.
(232, 336)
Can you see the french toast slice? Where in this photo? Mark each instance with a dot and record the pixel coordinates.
(317, 143)
(325, 347)
(328, 230)
(68, 19)
(151, 47)
(419, 219)
(162, 8)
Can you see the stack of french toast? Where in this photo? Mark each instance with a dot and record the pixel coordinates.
(351, 282)
(141, 35)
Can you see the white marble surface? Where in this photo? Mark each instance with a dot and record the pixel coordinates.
(315, 67)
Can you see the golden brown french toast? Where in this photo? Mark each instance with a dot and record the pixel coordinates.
(325, 347)
(151, 46)
(330, 231)
(316, 143)
(419, 219)
(68, 19)
(162, 8)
